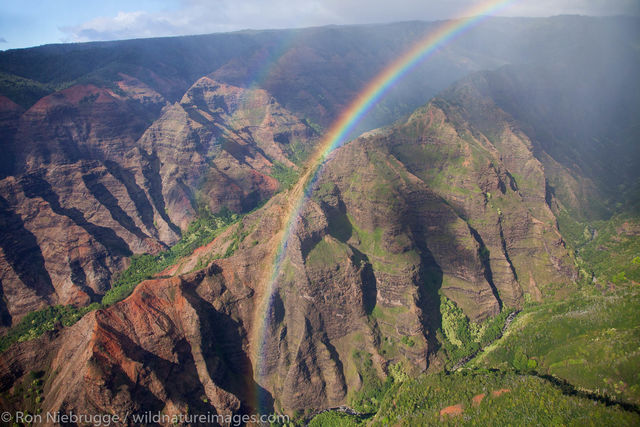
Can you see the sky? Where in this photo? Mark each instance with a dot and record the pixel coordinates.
(26, 23)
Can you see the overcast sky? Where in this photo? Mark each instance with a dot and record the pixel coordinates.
(26, 23)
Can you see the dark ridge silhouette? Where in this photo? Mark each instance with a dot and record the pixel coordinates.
(137, 194)
(104, 196)
(505, 250)
(151, 172)
(484, 255)
(569, 389)
(22, 251)
(5, 316)
(36, 186)
(79, 278)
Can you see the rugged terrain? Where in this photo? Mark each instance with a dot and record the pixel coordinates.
(378, 240)
(456, 203)
(90, 188)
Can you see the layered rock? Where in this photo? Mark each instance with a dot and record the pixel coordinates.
(432, 205)
(497, 186)
(396, 218)
(10, 113)
(454, 200)
(218, 146)
(102, 174)
(374, 246)
(175, 345)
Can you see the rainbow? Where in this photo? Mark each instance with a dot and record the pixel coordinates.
(337, 135)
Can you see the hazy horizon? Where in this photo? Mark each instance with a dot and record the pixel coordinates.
(33, 23)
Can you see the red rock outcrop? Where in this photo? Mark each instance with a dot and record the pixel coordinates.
(397, 216)
(104, 173)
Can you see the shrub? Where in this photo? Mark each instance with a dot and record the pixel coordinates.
(144, 266)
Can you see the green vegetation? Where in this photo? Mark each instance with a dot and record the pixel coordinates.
(145, 266)
(368, 398)
(322, 191)
(518, 400)
(23, 91)
(26, 394)
(298, 151)
(591, 337)
(375, 245)
(237, 237)
(335, 419)
(327, 252)
(455, 326)
(559, 361)
(200, 232)
(588, 339)
(38, 322)
(501, 398)
(286, 176)
(447, 161)
(387, 314)
(316, 127)
(382, 320)
(408, 341)
(460, 337)
(605, 250)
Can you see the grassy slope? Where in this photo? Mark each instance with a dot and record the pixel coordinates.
(592, 338)
(530, 400)
(590, 341)
(608, 251)
(510, 399)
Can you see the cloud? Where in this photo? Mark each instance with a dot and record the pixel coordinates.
(3, 40)
(122, 26)
(208, 16)
(576, 7)
(202, 16)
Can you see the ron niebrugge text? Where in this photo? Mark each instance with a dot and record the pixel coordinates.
(100, 420)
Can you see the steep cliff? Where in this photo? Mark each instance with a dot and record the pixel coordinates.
(458, 200)
(398, 216)
(121, 143)
(121, 172)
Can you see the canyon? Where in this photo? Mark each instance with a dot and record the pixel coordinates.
(452, 187)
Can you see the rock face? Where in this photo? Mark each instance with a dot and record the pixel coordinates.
(135, 353)
(221, 141)
(102, 174)
(144, 133)
(455, 200)
(399, 215)
(9, 114)
(427, 206)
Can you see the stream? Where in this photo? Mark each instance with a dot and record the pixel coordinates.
(464, 361)
(350, 411)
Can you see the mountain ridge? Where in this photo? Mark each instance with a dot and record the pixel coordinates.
(414, 234)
